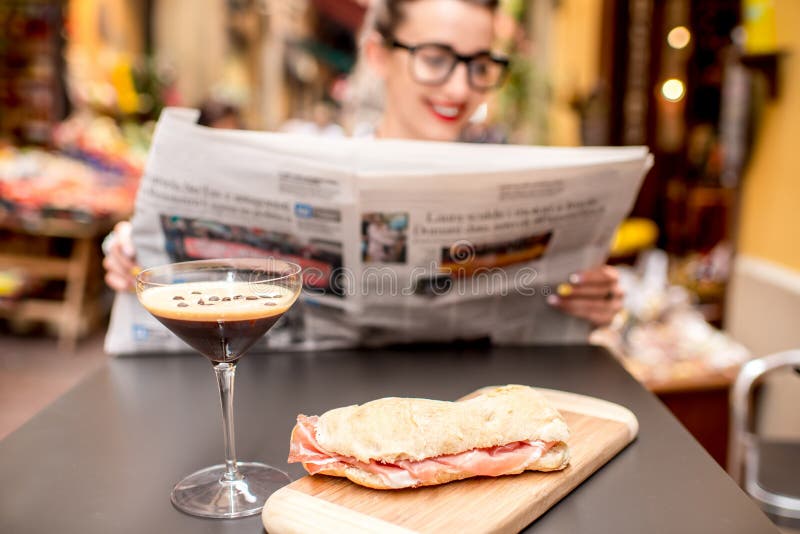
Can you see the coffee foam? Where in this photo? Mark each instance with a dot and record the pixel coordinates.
(213, 301)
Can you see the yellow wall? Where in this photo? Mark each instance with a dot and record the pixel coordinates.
(574, 64)
(190, 36)
(770, 217)
(119, 19)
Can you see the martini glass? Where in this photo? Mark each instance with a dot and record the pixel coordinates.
(221, 308)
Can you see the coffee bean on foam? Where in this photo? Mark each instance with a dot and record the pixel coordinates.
(177, 297)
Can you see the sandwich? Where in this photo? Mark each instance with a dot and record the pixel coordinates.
(395, 443)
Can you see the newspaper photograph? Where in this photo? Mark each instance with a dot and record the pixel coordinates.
(399, 241)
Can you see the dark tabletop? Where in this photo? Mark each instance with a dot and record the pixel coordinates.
(104, 457)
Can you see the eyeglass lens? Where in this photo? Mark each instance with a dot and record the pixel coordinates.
(433, 64)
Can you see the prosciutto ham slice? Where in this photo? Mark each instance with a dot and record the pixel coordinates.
(511, 458)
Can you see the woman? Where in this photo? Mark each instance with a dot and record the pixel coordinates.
(435, 61)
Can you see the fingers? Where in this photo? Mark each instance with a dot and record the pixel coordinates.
(594, 295)
(589, 291)
(120, 263)
(119, 271)
(604, 274)
(122, 232)
(599, 312)
(119, 283)
(598, 283)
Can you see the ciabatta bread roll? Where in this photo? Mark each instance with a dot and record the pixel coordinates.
(398, 442)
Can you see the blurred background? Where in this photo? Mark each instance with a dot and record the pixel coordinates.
(710, 257)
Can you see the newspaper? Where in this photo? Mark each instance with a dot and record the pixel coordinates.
(400, 241)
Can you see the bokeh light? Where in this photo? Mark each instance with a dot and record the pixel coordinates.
(673, 89)
(679, 37)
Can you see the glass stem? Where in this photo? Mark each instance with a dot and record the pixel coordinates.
(226, 372)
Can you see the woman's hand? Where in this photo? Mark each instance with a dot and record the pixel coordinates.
(120, 261)
(594, 295)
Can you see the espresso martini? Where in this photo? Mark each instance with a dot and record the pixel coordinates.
(220, 319)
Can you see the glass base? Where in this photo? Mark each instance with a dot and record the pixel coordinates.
(206, 494)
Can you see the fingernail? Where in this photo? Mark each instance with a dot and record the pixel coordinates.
(574, 278)
(553, 299)
(564, 290)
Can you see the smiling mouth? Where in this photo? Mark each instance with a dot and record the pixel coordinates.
(445, 113)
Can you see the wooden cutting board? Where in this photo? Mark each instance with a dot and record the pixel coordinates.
(599, 430)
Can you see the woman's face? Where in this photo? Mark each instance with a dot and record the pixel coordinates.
(439, 112)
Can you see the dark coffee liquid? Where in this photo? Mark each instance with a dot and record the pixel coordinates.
(220, 319)
(220, 341)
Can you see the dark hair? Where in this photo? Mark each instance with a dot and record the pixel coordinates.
(212, 111)
(389, 14)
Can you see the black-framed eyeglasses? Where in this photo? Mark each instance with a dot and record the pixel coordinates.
(434, 63)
